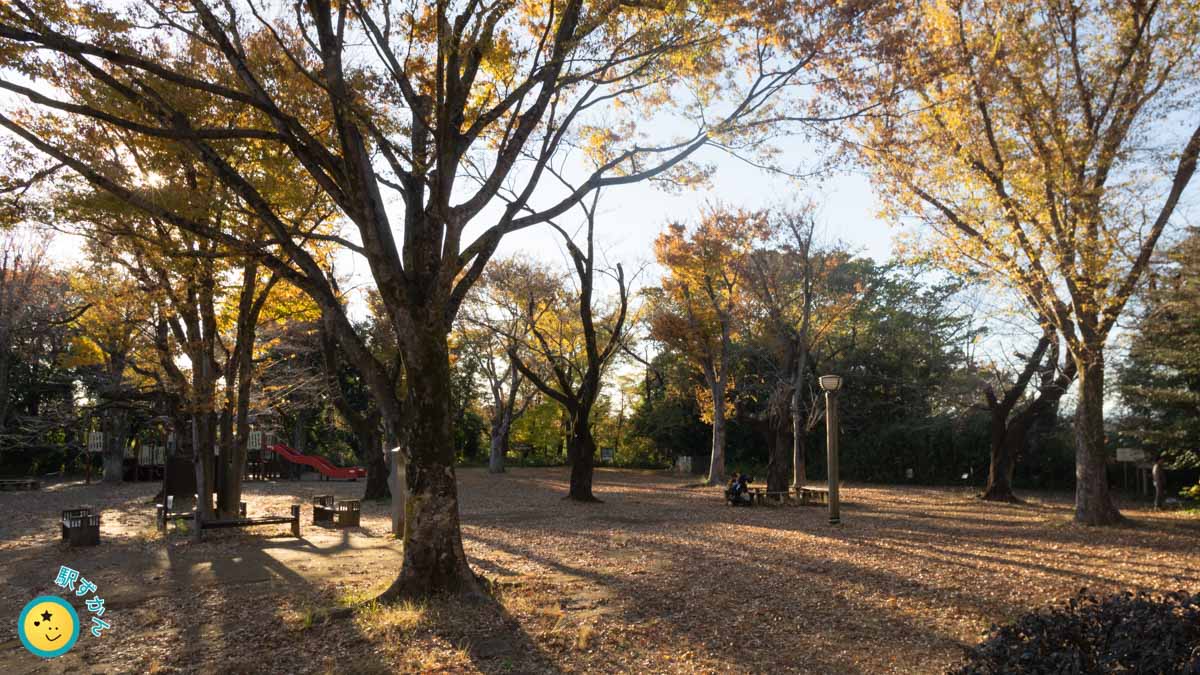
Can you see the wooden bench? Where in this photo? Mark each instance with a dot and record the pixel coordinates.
(343, 513)
(7, 484)
(167, 512)
(804, 495)
(81, 526)
(814, 495)
(759, 496)
(293, 520)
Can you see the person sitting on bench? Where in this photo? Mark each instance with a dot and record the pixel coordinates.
(738, 492)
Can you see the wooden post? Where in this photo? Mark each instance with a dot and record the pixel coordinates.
(396, 483)
(198, 521)
(296, 520)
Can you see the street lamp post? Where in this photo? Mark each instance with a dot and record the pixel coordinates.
(831, 384)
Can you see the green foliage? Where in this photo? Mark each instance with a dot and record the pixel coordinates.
(541, 429)
(905, 403)
(1192, 493)
(1160, 380)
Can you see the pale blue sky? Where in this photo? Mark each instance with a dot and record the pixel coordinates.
(631, 216)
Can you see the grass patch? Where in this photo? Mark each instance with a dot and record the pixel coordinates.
(391, 618)
(585, 636)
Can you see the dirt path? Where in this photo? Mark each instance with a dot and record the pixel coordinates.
(659, 578)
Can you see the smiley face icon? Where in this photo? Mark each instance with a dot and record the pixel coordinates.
(48, 626)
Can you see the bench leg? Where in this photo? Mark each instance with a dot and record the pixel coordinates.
(295, 521)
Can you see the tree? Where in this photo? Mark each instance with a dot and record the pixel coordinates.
(37, 309)
(799, 293)
(1031, 139)
(208, 305)
(494, 326)
(1008, 433)
(698, 309)
(439, 110)
(114, 326)
(1160, 379)
(576, 347)
(21, 269)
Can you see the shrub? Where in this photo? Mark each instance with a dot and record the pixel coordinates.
(1192, 493)
(1125, 633)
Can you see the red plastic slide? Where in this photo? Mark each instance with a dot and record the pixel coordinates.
(319, 463)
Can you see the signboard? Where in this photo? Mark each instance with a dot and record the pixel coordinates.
(95, 442)
(606, 454)
(1134, 455)
(150, 454)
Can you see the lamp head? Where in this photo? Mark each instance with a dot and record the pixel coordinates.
(831, 382)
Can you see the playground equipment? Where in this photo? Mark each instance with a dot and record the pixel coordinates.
(322, 465)
(144, 461)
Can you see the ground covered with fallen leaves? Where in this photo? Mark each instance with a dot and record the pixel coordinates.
(661, 577)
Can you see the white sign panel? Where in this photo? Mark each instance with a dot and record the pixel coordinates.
(95, 442)
(1131, 455)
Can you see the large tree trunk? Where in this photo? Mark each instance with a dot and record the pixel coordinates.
(233, 447)
(799, 442)
(433, 552)
(716, 467)
(115, 437)
(233, 469)
(781, 446)
(1093, 502)
(1000, 469)
(779, 456)
(582, 455)
(202, 461)
(227, 493)
(499, 444)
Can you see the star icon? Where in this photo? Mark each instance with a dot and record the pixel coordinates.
(45, 616)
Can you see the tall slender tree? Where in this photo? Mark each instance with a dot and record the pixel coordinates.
(699, 308)
(115, 323)
(799, 293)
(576, 345)
(494, 327)
(1046, 145)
